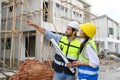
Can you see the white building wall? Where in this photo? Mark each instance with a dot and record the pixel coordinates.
(101, 33)
(109, 41)
(101, 29)
(112, 46)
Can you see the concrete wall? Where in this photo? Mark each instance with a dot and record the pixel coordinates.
(101, 25)
(112, 44)
(61, 21)
(54, 23)
(48, 50)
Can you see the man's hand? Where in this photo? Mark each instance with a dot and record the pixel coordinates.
(30, 23)
(39, 28)
(69, 65)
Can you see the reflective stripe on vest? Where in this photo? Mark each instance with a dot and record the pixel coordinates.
(59, 63)
(87, 72)
(69, 49)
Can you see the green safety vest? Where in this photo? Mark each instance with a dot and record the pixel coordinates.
(82, 57)
(69, 49)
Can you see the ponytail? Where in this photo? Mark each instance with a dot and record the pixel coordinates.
(83, 44)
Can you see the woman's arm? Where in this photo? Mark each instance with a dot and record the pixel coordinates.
(92, 56)
(78, 63)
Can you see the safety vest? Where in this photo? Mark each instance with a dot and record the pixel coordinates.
(70, 50)
(87, 72)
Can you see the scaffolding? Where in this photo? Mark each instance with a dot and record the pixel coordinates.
(15, 29)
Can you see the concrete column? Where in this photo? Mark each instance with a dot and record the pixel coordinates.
(119, 48)
(0, 26)
(105, 48)
(116, 47)
(22, 56)
(113, 47)
(105, 44)
(39, 38)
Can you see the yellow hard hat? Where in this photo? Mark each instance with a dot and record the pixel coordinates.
(89, 29)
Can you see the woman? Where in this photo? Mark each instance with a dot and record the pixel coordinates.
(88, 61)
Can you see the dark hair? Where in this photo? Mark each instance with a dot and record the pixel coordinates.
(73, 29)
(83, 44)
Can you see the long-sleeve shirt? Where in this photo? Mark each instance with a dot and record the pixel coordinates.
(49, 35)
(92, 56)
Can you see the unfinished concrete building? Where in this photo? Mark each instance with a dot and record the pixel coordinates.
(19, 41)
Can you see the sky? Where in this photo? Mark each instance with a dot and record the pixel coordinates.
(106, 7)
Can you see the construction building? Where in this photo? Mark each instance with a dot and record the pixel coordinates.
(19, 41)
(108, 36)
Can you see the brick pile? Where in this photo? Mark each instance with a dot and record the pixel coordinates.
(33, 70)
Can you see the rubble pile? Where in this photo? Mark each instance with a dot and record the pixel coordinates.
(107, 62)
(109, 70)
(33, 70)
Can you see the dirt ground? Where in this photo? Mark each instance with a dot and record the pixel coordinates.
(109, 70)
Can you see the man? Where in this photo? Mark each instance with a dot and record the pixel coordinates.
(69, 45)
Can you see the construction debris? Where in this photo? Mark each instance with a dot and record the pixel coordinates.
(109, 55)
(33, 70)
(109, 70)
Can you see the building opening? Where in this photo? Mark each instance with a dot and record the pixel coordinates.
(30, 46)
(45, 11)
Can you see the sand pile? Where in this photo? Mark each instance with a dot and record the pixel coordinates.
(33, 70)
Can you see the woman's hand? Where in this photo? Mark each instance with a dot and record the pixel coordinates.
(76, 63)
